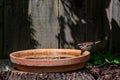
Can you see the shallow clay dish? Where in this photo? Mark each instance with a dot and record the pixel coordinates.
(49, 60)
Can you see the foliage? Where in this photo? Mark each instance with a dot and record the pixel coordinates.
(100, 58)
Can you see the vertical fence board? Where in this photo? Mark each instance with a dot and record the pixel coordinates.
(116, 25)
(64, 29)
(72, 23)
(44, 17)
(116, 11)
(16, 30)
(1, 7)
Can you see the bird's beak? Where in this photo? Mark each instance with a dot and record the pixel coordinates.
(97, 42)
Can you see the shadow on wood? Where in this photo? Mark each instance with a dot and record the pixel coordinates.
(17, 33)
(79, 21)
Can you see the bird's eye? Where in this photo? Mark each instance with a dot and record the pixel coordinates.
(87, 46)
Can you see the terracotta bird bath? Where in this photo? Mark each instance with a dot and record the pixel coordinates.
(49, 60)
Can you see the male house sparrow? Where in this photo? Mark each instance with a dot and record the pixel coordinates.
(87, 46)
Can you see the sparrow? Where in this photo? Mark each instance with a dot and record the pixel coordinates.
(87, 46)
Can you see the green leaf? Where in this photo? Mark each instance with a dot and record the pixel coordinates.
(116, 61)
(108, 61)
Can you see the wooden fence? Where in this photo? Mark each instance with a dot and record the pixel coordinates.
(27, 24)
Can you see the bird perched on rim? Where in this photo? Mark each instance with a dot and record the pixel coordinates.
(87, 46)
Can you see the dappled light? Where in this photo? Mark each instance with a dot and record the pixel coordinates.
(38, 37)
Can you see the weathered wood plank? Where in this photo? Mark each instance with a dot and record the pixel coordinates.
(116, 11)
(78, 75)
(71, 27)
(18, 34)
(2, 29)
(1, 6)
(5, 65)
(115, 22)
(79, 21)
(81, 74)
(45, 24)
(14, 26)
